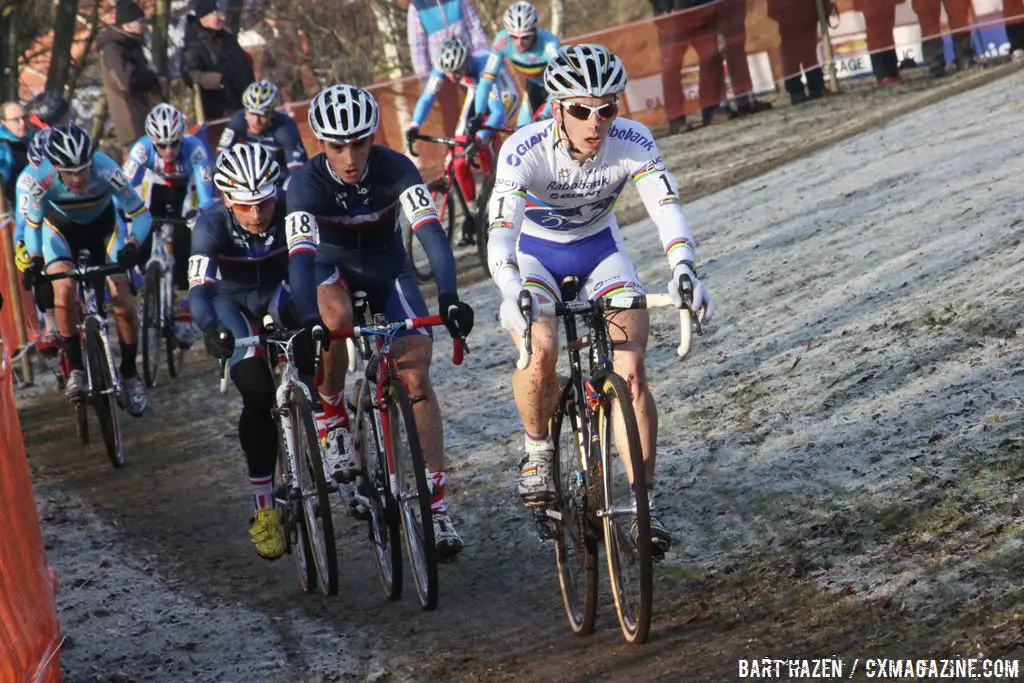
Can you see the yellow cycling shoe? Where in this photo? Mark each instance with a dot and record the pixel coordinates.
(21, 257)
(267, 533)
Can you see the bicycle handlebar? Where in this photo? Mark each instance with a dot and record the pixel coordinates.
(353, 331)
(270, 334)
(687, 321)
(83, 273)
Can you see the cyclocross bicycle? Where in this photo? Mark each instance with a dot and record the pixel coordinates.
(104, 391)
(157, 312)
(450, 197)
(302, 491)
(597, 446)
(392, 484)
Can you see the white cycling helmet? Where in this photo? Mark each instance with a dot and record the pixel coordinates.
(37, 147)
(584, 71)
(520, 18)
(260, 97)
(343, 113)
(453, 55)
(165, 124)
(69, 147)
(247, 173)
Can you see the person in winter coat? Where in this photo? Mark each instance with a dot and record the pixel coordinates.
(213, 60)
(14, 137)
(130, 84)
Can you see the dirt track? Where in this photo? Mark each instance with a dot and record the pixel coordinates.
(840, 457)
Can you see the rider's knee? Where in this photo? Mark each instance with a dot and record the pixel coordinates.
(335, 308)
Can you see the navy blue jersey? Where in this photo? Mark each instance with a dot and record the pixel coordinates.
(281, 137)
(229, 261)
(356, 226)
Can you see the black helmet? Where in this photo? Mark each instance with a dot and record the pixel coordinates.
(49, 107)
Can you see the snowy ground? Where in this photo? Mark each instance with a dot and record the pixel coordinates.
(839, 458)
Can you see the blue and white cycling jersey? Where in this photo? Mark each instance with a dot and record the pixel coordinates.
(281, 137)
(499, 102)
(551, 215)
(23, 191)
(107, 184)
(530, 63)
(191, 170)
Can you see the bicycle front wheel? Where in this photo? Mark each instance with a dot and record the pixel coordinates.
(482, 221)
(384, 524)
(103, 395)
(316, 504)
(152, 322)
(625, 515)
(412, 493)
(575, 542)
(288, 498)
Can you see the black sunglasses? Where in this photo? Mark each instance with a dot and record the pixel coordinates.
(167, 145)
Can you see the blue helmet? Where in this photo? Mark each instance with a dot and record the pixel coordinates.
(37, 147)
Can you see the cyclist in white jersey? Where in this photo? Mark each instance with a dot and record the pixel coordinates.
(551, 217)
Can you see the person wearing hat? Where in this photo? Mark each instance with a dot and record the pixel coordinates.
(213, 60)
(129, 82)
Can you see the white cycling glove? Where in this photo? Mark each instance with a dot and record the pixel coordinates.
(701, 296)
(511, 316)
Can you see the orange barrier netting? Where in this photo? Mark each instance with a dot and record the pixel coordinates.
(29, 630)
(8, 323)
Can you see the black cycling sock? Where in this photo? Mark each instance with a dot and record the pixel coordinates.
(128, 353)
(73, 349)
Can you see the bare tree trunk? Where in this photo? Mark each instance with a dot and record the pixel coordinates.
(94, 30)
(8, 55)
(234, 15)
(64, 25)
(161, 22)
(100, 117)
(557, 10)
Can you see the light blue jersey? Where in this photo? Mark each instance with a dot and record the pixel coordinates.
(499, 102)
(106, 184)
(191, 170)
(530, 63)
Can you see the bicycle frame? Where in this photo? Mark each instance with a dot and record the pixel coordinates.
(162, 253)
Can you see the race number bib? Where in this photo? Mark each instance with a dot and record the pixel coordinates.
(418, 206)
(301, 230)
(198, 265)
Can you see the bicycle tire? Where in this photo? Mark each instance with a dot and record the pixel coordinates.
(384, 525)
(103, 397)
(482, 222)
(413, 493)
(575, 544)
(81, 409)
(152, 322)
(316, 505)
(288, 500)
(622, 553)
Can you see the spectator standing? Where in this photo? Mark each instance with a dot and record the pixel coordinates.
(1013, 17)
(213, 60)
(929, 16)
(429, 22)
(129, 82)
(14, 138)
(880, 20)
(798, 33)
(732, 25)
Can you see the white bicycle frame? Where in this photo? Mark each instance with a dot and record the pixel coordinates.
(160, 254)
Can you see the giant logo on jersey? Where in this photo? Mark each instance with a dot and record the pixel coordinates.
(562, 219)
(525, 146)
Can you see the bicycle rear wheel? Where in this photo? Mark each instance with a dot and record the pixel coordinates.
(575, 542)
(630, 566)
(412, 493)
(81, 409)
(288, 499)
(152, 322)
(316, 504)
(384, 525)
(103, 396)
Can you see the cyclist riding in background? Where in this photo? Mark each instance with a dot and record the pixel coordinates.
(237, 274)
(457, 65)
(529, 50)
(258, 121)
(24, 190)
(171, 172)
(75, 207)
(551, 217)
(344, 236)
